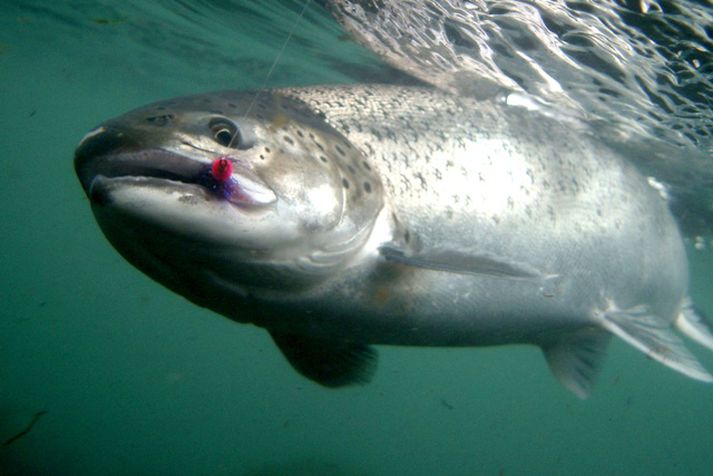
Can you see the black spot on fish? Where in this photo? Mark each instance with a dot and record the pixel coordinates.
(367, 187)
(366, 166)
(299, 133)
(289, 140)
(323, 159)
(230, 104)
(160, 120)
(267, 150)
(339, 149)
(345, 183)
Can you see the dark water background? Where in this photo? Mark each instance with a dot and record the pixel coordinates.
(134, 380)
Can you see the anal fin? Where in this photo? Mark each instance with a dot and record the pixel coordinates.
(329, 363)
(576, 359)
(655, 337)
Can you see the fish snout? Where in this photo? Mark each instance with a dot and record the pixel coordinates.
(101, 141)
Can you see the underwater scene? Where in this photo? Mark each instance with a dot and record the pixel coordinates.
(317, 279)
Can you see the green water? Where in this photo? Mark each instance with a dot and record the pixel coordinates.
(135, 380)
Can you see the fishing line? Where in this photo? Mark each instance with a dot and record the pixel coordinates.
(274, 63)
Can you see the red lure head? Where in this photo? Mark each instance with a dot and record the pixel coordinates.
(221, 169)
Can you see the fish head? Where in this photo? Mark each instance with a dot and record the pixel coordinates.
(229, 194)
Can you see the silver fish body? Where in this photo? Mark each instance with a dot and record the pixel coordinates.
(361, 215)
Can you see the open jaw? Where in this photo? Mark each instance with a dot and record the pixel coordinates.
(160, 169)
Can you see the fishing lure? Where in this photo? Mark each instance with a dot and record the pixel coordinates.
(221, 169)
(220, 178)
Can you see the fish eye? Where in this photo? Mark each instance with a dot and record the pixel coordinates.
(226, 133)
(223, 137)
(223, 131)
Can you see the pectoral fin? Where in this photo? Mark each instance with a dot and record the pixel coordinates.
(460, 262)
(576, 358)
(329, 363)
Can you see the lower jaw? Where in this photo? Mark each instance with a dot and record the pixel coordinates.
(102, 187)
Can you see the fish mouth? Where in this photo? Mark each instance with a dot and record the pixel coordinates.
(105, 161)
(156, 168)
